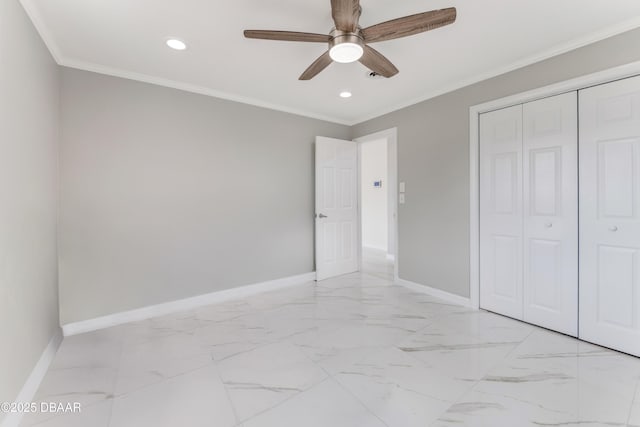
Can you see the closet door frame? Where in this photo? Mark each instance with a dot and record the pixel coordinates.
(583, 82)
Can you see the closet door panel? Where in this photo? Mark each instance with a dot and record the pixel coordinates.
(501, 211)
(610, 215)
(550, 186)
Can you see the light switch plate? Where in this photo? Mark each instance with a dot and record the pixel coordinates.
(401, 199)
(402, 187)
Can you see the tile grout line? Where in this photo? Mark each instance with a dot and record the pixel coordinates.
(284, 401)
(519, 344)
(226, 392)
(474, 382)
(419, 363)
(353, 395)
(284, 340)
(111, 396)
(117, 375)
(477, 382)
(633, 402)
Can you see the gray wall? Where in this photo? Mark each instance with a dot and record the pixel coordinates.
(433, 156)
(167, 194)
(29, 85)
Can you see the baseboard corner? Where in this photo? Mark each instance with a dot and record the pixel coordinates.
(31, 385)
(437, 293)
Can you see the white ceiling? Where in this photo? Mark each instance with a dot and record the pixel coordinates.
(126, 38)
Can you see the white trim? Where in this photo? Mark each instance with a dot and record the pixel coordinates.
(184, 304)
(391, 257)
(30, 387)
(550, 53)
(474, 210)
(578, 83)
(46, 35)
(436, 293)
(42, 29)
(391, 135)
(56, 52)
(359, 191)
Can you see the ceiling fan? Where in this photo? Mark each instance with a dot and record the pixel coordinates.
(349, 43)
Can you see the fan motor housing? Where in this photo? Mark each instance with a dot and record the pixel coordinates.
(339, 37)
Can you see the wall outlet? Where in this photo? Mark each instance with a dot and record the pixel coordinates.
(401, 198)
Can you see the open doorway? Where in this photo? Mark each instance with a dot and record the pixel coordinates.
(377, 170)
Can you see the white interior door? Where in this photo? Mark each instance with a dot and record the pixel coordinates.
(336, 207)
(550, 185)
(610, 215)
(501, 211)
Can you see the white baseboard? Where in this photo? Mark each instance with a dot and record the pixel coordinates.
(183, 304)
(437, 293)
(30, 387)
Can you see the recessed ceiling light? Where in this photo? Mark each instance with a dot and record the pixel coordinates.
(345, 94)
(176, 44)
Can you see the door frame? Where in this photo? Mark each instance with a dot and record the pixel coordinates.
(391, 135)
(583, 82)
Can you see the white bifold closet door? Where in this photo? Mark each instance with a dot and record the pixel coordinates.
(550, 182)
(528, 212)
(501, 211)
(610, 215)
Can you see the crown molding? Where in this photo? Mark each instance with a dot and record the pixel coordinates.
(45, 33)
(539, 57)
(62, 60)
(159, 81)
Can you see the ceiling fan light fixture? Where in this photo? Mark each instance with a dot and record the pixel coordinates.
(346, 52)
(345, 47)
(349, 42)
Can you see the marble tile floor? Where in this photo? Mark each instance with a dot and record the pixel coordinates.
(355, 351)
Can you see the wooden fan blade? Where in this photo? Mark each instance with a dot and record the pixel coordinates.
(409, 25)
(375, 61)
(291, 36)
(346, 14)
(317, 66)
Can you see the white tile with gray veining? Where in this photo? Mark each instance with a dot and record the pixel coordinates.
(551, 379)
(262, 378)
(634, 416)
(84, 370)
(397, 388)
(350, 351)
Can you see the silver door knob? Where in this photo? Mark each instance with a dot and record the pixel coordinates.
(613, 228)
(322, 216)
(549, 224)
